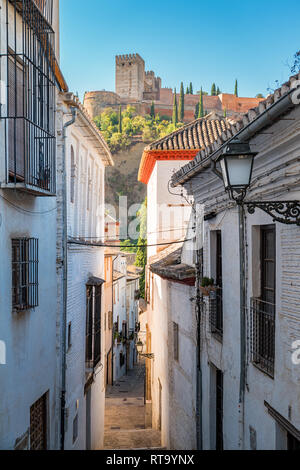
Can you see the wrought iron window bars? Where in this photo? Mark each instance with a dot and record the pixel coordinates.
(27, 67)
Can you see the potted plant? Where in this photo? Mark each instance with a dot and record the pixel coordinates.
(207, 286)
(117, 336)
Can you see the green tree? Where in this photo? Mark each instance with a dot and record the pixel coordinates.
(213, 89)
(259, 95)
(175, 110)
(187, 91)
(201, 109)
(196, 111)
(141, 254)
(120, 121)
(218, 91)
(191, 89)
(236, 89)
(152, 110)
(225, 112)
(181, 103)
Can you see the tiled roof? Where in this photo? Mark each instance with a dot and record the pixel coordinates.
(203, 157)
(117, 275)
(195, 135)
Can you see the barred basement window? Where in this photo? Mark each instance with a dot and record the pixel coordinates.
(38, 424)
(24, 273)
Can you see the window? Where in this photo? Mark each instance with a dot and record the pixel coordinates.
(75, 429)
(69, 335)
(124, 329)
(292, 442)
(263, 308)
(110, 320)
(73, 176)
(93, 325)
(38, 424)
(176, 341)
(29, 114)
(24, 273)
(219, 410)
(216, 299)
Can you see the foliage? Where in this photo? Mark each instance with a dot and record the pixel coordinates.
(181, 103)
(236, 90)
(207, 282)
(191, 89)
(213, 89)
(200, 107)
(187, 91)
(295, 68)
(175, 110)
(120, 121)
(141, 255)
(149, 127)
(259, 95)
(152, 110)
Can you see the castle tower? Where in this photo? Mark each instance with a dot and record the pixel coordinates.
(130, 75)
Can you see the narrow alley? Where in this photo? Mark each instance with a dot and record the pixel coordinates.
(127, 421)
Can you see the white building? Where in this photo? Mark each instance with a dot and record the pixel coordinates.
(119, 317)
(82, 157)
(171, 329)
(250, 325)
(132, 297)
(28, 286)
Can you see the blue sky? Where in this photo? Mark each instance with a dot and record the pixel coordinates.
(196, 40)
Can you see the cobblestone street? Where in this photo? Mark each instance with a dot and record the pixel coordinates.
(127, 424)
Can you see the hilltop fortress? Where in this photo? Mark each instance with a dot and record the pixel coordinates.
(138, 87)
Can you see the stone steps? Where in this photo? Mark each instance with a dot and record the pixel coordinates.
(132, 439)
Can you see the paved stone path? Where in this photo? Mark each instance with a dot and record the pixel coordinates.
(125, 414)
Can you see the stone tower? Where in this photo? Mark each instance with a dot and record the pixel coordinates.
(130, 76)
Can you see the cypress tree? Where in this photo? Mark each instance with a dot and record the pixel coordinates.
(213, 89)
(152, 110)
(218, 91)
(187, 91)
(225, 112)
(120, 120)
(181, 103)
(191, 89)
(236, 89)
(200, 109)
(196, 111)
(175, 110)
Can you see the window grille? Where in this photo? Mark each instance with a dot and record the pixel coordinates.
(38, 424)
(262, 317)
(27, 60)
(24, 273)
(216, 312)
(93, 326)
(176, 341)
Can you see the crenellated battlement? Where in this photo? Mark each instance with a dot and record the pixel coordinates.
(127, 58)
(150, 73)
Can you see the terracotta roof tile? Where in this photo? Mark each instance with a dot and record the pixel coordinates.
(195, 135)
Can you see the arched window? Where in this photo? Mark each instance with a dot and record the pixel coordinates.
(73, 175)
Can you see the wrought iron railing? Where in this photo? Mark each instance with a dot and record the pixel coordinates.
(262, 334)
(27, 62)
(216, 311)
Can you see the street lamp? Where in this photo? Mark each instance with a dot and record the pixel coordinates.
(236, 163)
(140, 347)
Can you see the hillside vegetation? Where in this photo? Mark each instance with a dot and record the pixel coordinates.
(120, 129)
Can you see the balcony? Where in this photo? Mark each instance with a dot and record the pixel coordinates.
(262, 334)
(40, 8)
(28, 113)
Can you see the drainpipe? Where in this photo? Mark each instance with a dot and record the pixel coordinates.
(198, 349)
(242, 323)
(65, 272)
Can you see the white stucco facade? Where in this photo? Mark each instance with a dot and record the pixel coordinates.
(262, 416)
